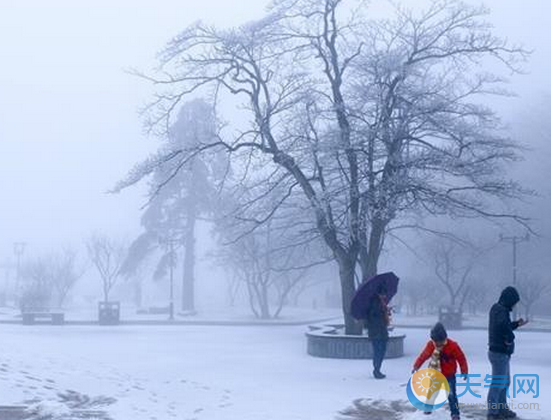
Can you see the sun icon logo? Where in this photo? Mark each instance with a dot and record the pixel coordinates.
(427, 383)
(428, 389)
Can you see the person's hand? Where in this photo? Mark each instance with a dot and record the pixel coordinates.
(413, 371)
(464, 377)
(522, 322)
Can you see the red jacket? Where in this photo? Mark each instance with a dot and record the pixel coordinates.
(451, 356)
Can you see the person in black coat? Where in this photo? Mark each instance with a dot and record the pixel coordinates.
(377, 321)
(501, 342)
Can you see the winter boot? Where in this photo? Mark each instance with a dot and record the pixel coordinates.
(508, 414)
(378, 375)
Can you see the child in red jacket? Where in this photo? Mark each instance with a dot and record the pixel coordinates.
(445, 355)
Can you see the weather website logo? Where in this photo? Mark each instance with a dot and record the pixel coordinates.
(428, 390)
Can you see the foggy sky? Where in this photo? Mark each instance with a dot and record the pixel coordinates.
(69, 127)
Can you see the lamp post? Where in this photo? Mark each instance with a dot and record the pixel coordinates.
(515, 240)
(171, 308)
(18, 250)
(170, 242)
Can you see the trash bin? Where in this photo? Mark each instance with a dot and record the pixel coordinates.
(109, 313)
(451, 317)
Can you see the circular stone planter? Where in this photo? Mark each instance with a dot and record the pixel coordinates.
(329, 341)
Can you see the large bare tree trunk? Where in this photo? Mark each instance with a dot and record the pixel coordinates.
(369, 256)
(371, 232)
(348, 288)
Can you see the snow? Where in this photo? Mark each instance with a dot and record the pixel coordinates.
(419, 415)
(48, 409)
(222, 372)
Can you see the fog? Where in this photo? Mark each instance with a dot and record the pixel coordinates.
(70, 127)
(73, 132)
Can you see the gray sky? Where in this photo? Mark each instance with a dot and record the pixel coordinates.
(69, 127)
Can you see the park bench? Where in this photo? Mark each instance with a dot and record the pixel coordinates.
(154, 310)
(54, 318)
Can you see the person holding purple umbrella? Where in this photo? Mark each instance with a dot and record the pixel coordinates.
(377, 322)
(370, 303)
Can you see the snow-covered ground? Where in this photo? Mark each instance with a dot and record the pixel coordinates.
(230, 373)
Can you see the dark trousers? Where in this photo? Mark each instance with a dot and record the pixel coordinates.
(452, 397)
(379, 350)
(497, 396)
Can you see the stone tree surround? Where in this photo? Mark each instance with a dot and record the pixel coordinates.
(329, 341)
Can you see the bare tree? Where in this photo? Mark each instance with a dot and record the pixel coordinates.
(453, 268)
(415, 292)
(312, 280)
(49, 279)
(248, 263)
(271, 261)
(66, 272)
(532, 289)
(367, 122)
(37, 290)
(233, 287)
(107, 255)
(473, 298)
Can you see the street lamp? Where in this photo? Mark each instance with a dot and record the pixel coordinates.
(18, 250)
(170, 242)
(515, 240)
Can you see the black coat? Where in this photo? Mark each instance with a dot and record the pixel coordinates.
(500, 330)
(376, 320)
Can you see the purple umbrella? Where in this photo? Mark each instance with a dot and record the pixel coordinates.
(386, 282)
